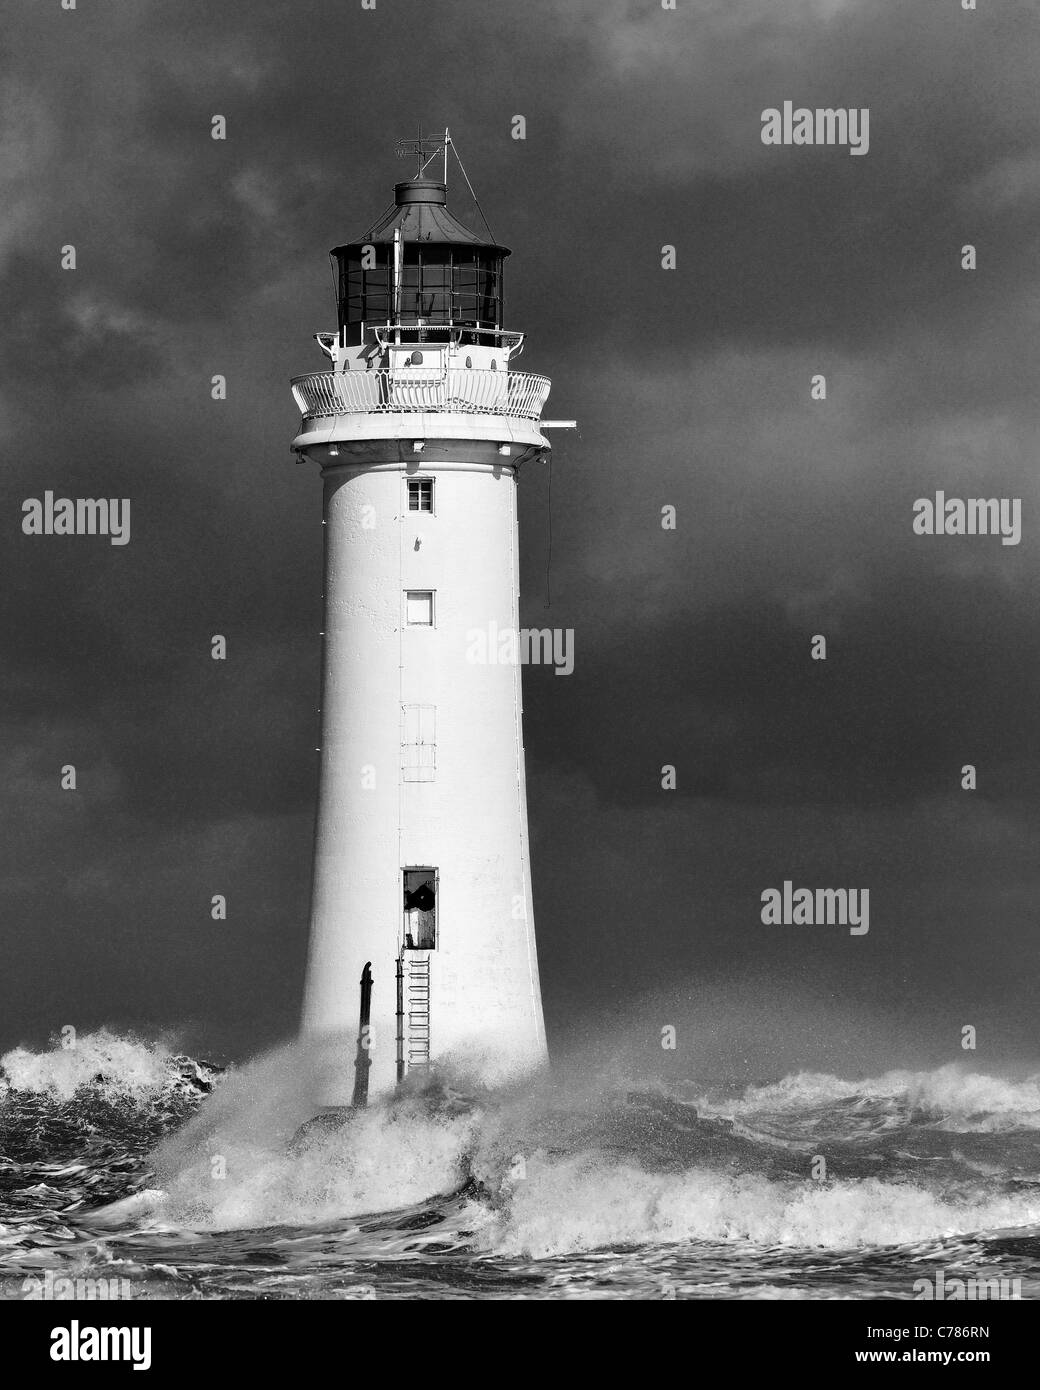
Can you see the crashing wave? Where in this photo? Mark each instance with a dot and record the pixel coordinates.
(548, 1169)
(115, 1067)
(949, 1096)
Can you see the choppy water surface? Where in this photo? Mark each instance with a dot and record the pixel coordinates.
(120, 1160)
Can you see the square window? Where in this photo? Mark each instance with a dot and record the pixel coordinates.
(420, 494)
(419, 607)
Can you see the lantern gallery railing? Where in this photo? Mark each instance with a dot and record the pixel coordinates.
(418, 389)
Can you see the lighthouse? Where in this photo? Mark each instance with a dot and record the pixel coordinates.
(422, 933)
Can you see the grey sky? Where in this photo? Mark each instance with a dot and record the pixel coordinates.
(197, 257)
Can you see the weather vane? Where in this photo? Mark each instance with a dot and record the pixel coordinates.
(424, 150)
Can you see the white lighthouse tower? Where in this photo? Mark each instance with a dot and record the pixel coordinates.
(421, 867)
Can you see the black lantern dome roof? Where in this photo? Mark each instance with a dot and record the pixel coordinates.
(421, 215)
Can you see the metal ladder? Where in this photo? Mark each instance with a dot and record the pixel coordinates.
(418, 1008)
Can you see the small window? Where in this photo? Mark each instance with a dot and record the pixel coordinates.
(419, 607)
(420, 494)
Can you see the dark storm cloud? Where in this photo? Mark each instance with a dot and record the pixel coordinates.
(198, 257)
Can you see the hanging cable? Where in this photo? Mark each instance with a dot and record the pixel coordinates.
(548, 555)
(373, 225)
(486, 223)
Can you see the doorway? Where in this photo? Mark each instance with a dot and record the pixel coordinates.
(420, 909)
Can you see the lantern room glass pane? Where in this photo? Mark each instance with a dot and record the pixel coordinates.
(439, 284)
(475, 286)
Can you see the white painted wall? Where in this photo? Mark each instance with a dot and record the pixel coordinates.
(471, 821)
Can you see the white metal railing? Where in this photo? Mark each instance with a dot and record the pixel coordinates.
(421, 389)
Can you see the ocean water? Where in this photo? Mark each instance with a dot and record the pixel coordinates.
(120, 1160)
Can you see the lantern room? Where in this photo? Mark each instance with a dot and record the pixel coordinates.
(420, 270)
